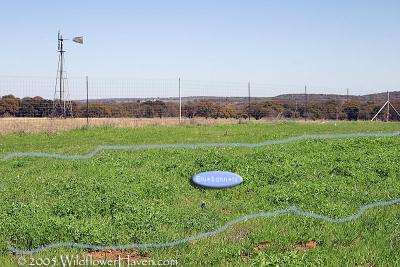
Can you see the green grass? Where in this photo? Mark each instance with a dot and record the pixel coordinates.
(145, 196)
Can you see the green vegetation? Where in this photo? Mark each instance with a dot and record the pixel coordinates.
(145, 196)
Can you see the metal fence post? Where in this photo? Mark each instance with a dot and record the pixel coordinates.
(249, 111)
(306, 103)
(180, 100)
(87, 101)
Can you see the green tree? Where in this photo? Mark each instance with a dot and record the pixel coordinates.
(351, 109)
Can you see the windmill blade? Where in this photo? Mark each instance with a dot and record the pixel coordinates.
(78, 39)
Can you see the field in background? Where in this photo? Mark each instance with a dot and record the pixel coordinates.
(126, 196)
(47, 125)
(38, 125)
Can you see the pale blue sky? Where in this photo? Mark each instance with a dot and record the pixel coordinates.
(332, 44)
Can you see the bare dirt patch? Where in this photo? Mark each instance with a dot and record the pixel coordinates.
(303, 246)
(262, 245)
(245, 257)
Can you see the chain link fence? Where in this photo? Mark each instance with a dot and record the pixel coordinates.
(134, 102)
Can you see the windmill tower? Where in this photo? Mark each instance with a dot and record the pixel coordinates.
(62, 105)
(387, 105)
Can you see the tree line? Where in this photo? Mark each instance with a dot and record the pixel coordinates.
(11, 106)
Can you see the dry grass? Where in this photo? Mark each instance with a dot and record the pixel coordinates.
(47, 125)
(38, 125)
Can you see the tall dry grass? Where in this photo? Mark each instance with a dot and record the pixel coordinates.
(39, 125)
(48, 125)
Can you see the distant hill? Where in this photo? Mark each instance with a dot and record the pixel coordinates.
(324, 97)
(379, 97)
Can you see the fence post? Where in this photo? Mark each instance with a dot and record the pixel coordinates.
(87, 101)
(248, 112)
(306, 103)
(180, 100)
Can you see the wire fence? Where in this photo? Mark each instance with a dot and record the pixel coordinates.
(147, 101)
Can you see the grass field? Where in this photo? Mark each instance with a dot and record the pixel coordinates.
(47, 125)
(145, 196)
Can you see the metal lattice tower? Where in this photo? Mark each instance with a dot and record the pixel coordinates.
(388, 105)
(62, 105)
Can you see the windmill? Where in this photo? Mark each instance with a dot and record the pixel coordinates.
(62, 106)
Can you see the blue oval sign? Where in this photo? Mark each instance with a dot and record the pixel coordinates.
(217, 179)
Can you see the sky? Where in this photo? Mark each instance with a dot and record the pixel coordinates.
(328, 45)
